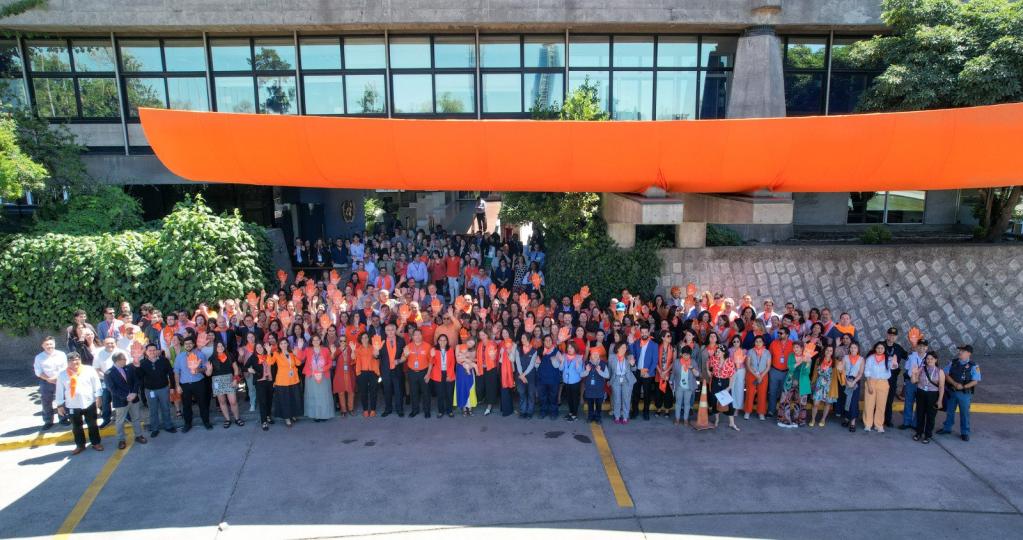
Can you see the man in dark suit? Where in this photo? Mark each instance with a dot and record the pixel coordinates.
(125, 384)
(392, 375)
(248, 327)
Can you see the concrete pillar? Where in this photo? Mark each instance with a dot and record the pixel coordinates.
(758, 81)
(623, 234)
(691, 235)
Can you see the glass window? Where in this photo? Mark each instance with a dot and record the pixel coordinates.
(634, 95)
(806, 53)
(866, 207)
(676, 52)
(231, 55)
(586, 51)
(600, 79)
(276, 54)
(320, 53)
(633, 51)
(413, 93)
(93, 55)
(544, 51)
(454, 52)
(141, 55)
(544, 90)
(502, 93)
(499, 52)
(188, 93)
(49, 56)
(10, 60)
(676, 95)
(804, 94)
(185, 55)
(714, 87)
(364, 53)
(841, 55)
(718, 52)
(905, 207)
(55, 98)
(99, 98)
(364, 94)
(277, 95)
(409, 52)
(12, 93)
(456, 93)
(234, 94)
(145, 93)
(845, 91)
(322, 93)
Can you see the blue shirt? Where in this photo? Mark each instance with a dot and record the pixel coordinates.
(417, 271)
(572, 369)
(185, 375)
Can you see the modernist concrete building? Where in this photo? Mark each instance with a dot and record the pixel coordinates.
(92, 63)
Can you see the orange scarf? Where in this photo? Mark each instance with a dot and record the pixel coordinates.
(73, 376)
(392, 347)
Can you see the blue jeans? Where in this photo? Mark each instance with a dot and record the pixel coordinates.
(961, 400)
(908, 418)
(775, 384)
(159, 406)
(527, 396)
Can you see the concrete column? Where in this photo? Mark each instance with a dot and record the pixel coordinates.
(623, 234)
(758, 82)
(691, 235)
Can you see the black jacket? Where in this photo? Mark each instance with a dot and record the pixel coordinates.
(120, 386)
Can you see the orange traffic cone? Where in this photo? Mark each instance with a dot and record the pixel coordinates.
(702, 416)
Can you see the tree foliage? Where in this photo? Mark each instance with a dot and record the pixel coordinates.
(109, 209)
(949, 53)
(603, 266)
(18, 171)
(56, 148)
(17, 7)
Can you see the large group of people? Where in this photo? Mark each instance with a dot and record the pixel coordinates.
(427, 324)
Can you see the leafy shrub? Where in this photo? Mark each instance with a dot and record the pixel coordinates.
(109, 209)
(194, 257)
(722, 236)
(604, 267)
(876, 234)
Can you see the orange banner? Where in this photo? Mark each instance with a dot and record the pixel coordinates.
(942, 149)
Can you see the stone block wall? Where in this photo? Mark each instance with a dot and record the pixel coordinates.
(953, 293)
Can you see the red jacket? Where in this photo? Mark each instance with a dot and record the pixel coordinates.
(435, 365)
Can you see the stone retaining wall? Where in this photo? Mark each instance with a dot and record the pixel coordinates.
(954, 293)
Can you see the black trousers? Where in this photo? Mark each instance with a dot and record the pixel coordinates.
(893, 384)
(926, 410)
(201, 393)
(419, 391)
(445, 393)
(367, 389)
(507, 404)
(489, 393)
(394, 391)
(593, 406)
(88, 415)
(645, 384)
(665, 399)
(572, 397)
(481, 221)
(265, 396)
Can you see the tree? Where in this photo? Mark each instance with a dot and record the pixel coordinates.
(18, 171)
(278, 99)
(19, 6)
(368, 101)
(949, 53)
(561, 217)
(56, 149)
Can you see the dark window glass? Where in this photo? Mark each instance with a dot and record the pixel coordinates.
(322, 94)
(866, 207)
(845, 91)
(364, 94)
(145, 93)
(188, 93)
(99, 97)
(141, 55)
(804, 94)
(714, 87)
(10, 60)
(55, 98)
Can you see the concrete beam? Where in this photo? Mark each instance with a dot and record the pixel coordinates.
(623, 234)
(736, 209)
(638, 210)
(691, 235)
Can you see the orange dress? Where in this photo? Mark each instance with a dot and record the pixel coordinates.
(344, 371)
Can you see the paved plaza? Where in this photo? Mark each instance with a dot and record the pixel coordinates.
(499, 477)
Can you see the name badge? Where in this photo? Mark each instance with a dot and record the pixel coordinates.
(417, 365)
(152, 395)
(593, 382)
(291, 373)
(346, 367)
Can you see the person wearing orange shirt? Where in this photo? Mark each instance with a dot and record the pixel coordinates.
(442, 374)
(488, 352)
(367, 374)
(780, 349)
(452, 269)
(417, 358)
(287, 394)
(449, 328)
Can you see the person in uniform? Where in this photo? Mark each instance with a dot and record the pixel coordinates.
(417, 358)
(963, 374)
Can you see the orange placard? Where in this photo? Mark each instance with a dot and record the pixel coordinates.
(503, 294)
(584, 291)
(282, 276)
(919, 150)
(691, 289)
(435, 306)
(493, 290)
(403, 311)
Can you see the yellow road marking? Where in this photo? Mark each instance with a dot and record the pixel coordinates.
(44, 439)
(611, 468)
(89, 497)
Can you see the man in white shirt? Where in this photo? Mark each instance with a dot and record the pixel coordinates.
(79, 393)
(48, 364)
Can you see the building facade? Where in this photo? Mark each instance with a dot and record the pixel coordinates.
(93, 63)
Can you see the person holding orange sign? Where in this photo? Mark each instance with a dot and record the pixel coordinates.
(190, 369)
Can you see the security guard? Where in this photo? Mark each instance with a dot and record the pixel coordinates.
(963, 376)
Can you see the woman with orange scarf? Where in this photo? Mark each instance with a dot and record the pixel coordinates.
(664, 399)
(258, 366)
(225, 380)
(367, 373)
(344, 375)
(507, 367)
(317, 363)
(287, 394)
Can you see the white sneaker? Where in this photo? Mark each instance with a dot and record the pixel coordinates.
(746, 416)
(866, 430)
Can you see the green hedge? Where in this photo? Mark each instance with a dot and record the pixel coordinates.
(604, 267)
(196, 256)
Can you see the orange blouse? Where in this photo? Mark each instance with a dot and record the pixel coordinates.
(287, 368)
(365, 361)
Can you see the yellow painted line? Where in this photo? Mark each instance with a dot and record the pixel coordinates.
(45, 439)
(89, 497)
(614, 476)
